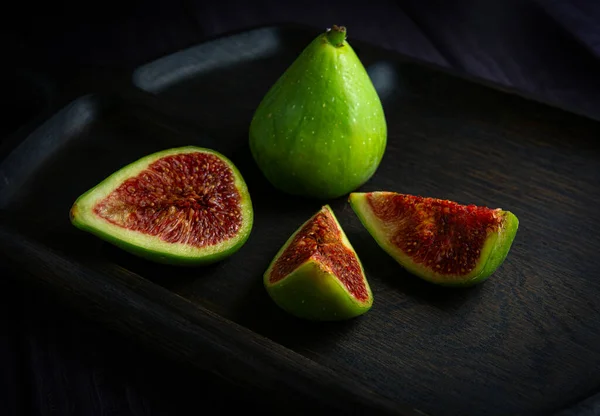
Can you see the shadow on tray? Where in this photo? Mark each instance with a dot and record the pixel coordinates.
(251, 307)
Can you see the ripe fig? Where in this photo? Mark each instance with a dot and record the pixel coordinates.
(317, 275)
(320, 131)
(437, 240)
(182, 206)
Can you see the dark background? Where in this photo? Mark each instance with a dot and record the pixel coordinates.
(56, 363)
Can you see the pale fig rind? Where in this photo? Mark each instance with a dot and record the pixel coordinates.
(314, 293)
(492, 255)
(320, 130)
(152, 247)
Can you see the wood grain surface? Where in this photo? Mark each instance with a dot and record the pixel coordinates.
(523, 342)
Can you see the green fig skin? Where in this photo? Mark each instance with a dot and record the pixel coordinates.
(313, 293)
(493, 253)
(151, 247)
(320, 131)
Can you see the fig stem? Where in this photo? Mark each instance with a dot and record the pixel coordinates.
(336, 35)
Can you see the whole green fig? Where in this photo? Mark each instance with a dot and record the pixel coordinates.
(320, 130)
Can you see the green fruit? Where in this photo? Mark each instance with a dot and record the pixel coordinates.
(320, 131)
(317, 275)
(438, 240)
(183, 206)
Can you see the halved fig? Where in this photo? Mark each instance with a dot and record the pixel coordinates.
(317, 275)
(182, 206)
(438, 240)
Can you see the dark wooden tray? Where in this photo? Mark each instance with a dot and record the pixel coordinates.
(524, 342)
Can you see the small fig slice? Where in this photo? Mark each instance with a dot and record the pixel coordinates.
(438, 240)
(317, 275)
(182, 206)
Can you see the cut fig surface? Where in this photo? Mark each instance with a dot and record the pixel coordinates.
(187, 205)
(438, 240)
(317, 275)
